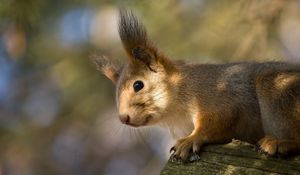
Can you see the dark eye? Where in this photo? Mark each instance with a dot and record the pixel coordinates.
(138, 85)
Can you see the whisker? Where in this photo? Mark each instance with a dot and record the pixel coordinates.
(116, 132)
(141, 138)
(107, 121)
(145, 143)
(146, 132)
(136, 137)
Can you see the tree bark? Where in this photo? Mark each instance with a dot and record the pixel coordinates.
(234, 158)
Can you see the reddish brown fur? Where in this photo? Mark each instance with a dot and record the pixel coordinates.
(208, 103)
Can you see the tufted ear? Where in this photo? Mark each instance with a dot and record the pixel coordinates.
(148, 57)
(138, 46)
(110, 69)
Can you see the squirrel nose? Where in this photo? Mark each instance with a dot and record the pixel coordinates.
(125, 119)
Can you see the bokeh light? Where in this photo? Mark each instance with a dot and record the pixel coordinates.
(58, 114)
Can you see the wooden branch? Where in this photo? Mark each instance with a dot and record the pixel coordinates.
(234, 158)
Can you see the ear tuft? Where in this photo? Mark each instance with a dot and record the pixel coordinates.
(110, 69)
(138, 46)
(132, 32)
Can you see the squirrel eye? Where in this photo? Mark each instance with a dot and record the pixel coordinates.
(138, 85)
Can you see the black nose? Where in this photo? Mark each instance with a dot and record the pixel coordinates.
(125, 119)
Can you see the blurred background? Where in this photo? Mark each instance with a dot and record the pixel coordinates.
(58, 114)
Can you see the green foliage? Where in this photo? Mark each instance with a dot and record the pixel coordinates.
(25, 14)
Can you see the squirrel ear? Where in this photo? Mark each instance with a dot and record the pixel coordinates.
(107, 67)
(148, 57)
(138, 46)
(152, 58)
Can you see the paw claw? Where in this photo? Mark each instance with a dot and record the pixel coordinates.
(172, 150)
(194, 157)
(175, 158)
(184, 148)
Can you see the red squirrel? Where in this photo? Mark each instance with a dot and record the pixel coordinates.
(205, 103)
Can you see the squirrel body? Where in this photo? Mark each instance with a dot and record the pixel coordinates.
(205, 103)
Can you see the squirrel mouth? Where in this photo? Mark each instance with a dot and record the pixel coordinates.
(145, 122)
(147, 119)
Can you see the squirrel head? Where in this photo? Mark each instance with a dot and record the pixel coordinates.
(144, 84)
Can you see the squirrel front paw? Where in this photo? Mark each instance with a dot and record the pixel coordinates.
(185, 147)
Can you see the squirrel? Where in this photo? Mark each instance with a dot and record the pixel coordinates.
(204, 103)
